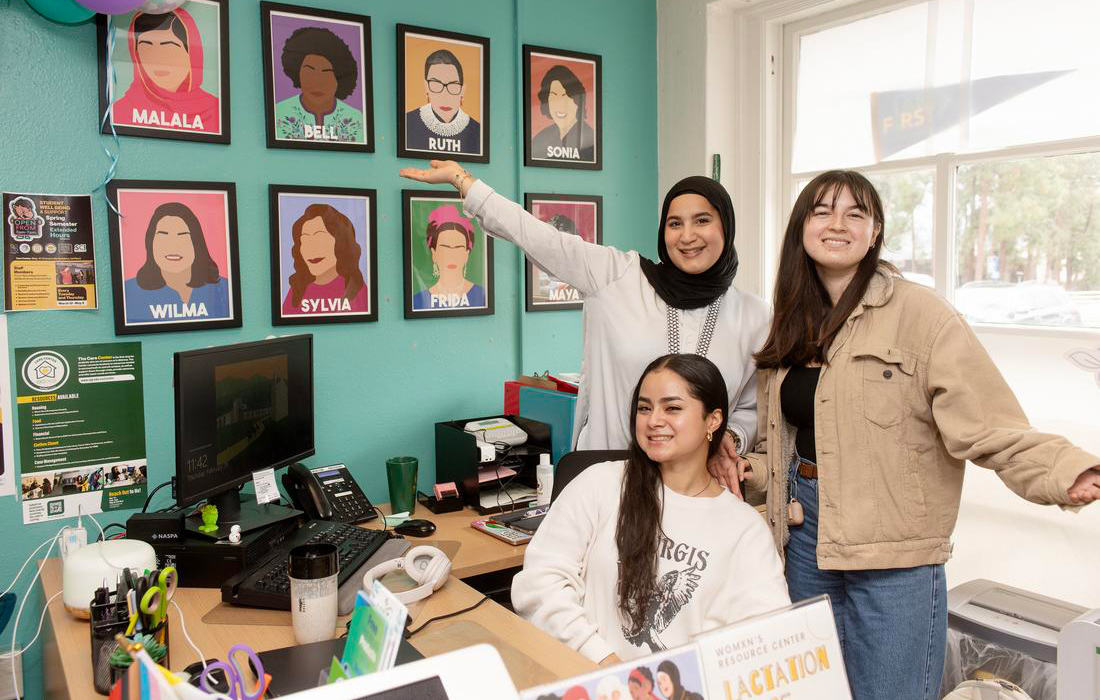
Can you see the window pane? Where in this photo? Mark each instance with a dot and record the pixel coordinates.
(907, 198)
(1028, 241)
(947, 76)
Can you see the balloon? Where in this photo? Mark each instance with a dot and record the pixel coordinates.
(159, 7)
(111, 7)
(64, 11)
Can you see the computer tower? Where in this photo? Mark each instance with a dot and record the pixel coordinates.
(203, 563)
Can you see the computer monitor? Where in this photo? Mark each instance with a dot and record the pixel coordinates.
(239, 409)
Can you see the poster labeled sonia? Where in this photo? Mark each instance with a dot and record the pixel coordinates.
(562, 108)
(317, 78)
(442, 95)
(324, 265)
(49, 253)
(174, 255)
(448, 258)
(166, 75)
(81, 429)
(578, 215)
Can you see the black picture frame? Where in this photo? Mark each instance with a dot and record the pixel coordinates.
(106, 72)
(489, 287)
(278, 318)
(124, 325)
(532, 276)
(403, 111)
(530, 158)
(365, 77)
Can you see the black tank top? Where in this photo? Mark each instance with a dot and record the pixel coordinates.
(796, 397)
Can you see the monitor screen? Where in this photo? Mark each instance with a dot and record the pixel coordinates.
(241, 408)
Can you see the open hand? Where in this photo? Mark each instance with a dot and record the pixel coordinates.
(728, 467)
(1086, 488)
(440, 172)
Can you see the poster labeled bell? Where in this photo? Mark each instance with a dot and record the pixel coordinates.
(81, 429)
(49, 252)
(442, 95)
(448, 258)
(562, 109)
(324, 263)
(166, 75)
(317, 78)
(174, 255)
(576, 215)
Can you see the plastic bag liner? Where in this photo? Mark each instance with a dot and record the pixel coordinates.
(968, 656)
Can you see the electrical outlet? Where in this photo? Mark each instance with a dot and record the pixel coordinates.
(7, 688)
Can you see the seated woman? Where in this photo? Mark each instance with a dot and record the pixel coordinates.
(644, 554)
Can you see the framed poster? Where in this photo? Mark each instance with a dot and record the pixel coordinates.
(174, 256)
(448, 258)
(318, 87)
(324, 255)
(442, 95)
(576, 214)
(167, 75)
(562, 109)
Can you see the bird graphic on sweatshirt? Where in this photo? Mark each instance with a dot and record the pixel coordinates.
(672, 593)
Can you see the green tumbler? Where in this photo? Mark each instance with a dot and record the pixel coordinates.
(401, 475)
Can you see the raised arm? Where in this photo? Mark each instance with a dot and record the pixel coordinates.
(587, 266)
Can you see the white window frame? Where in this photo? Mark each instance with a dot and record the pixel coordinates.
(782, 29)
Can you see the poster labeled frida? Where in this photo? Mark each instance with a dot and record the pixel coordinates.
(317, 77)
(562, 109)
(166, 75)
(49, 254)
(81, 429)
(324, 265)
(448, 258)
(576, 215)
(442, 95)
(174, 256)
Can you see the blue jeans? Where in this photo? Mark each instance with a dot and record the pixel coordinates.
(892, 622)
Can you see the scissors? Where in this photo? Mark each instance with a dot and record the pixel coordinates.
(161, 589)
(233, 675)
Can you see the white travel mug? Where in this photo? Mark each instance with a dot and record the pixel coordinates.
(313, 570)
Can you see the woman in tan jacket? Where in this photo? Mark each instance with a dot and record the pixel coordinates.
(873, 393)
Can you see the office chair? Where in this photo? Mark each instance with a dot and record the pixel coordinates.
(576, 462)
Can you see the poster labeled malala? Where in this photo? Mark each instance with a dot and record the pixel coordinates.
(49, 255)
(81, 429)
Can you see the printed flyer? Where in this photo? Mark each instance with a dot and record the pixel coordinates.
(81, 429)
(48, 253)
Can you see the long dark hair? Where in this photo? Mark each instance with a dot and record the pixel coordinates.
(641, 508)
(203, 270)
(347, 251)
(805, 321)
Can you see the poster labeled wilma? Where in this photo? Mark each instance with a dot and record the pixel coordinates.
(81, 429)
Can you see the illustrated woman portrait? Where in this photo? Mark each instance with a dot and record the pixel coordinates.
(167, 54)
(326, 275)
(450, 238)
(441, 124)
(563, 99)
(179, 279)
(325, 72)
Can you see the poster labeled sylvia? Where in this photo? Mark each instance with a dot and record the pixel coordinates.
(48, 252)
(81, 429)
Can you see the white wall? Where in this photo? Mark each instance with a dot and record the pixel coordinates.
(999, 536)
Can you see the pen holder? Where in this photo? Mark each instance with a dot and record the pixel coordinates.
(158, 633)
(107, 619)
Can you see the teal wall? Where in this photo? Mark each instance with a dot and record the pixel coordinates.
(379, 386)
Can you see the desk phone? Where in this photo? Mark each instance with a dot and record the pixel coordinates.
(327, 493)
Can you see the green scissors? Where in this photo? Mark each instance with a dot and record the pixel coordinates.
(155, 600)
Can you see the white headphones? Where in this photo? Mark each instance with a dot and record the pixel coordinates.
(426, 565)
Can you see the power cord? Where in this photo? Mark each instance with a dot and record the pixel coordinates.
(444, 617)
(149, 498)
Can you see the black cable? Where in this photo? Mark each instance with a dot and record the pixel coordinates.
(149, 498)
(107, 527)
(444, 617)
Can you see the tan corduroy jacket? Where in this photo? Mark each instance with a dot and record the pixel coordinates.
(907, 396)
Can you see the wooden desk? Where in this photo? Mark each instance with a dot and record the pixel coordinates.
(67, 646)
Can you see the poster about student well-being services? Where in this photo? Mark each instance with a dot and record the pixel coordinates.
(81, 429)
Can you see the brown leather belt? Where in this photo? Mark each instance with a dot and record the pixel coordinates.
(807, 470)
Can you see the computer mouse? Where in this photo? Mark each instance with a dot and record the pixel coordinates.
(416, 527)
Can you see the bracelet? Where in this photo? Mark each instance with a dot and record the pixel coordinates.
(460, 180)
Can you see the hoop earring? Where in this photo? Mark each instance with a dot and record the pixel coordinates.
(709, 437)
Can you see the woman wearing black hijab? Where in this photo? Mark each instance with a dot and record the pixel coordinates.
(636, 310)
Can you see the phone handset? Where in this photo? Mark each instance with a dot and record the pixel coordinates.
(327, 493)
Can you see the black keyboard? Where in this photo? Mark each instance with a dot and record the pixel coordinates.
(266, 585)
